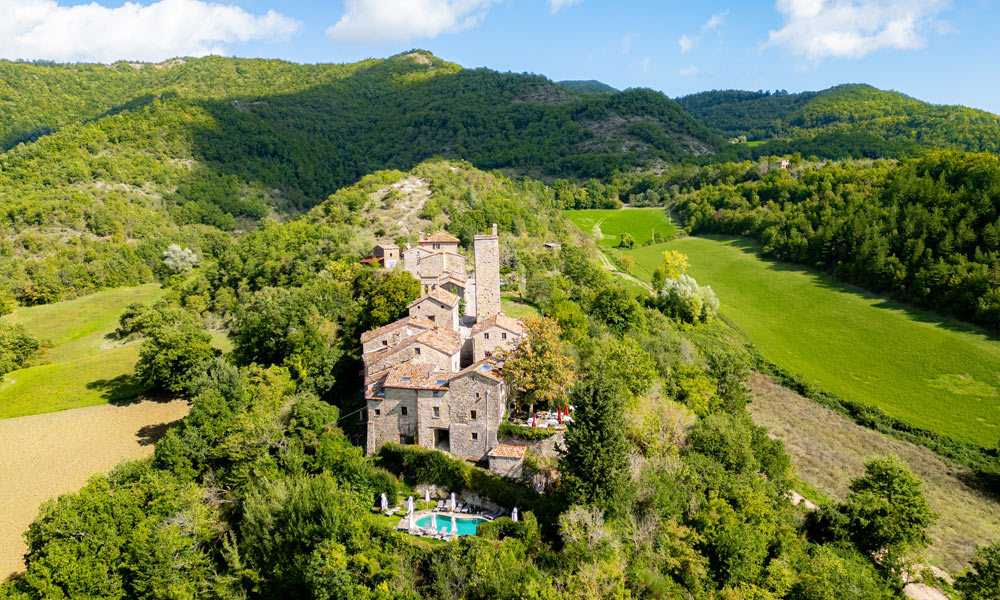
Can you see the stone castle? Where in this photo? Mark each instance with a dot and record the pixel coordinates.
(431, 378)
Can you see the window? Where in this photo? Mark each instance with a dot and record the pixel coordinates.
(385, 342)
(378, 412)
(437, 246)
(430, 317)
(478, 395)
(437, 394)
(475, 436)
(437, 411)
(416, 350)
(472, 415)
(503, 336)
(488, 354)
(403, 410)
(486, 336)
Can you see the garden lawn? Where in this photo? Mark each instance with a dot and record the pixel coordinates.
(608, 225)
(84, 366)
(914, 365)
(516, 308)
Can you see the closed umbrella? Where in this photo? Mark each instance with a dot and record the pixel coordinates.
(427, 495)
(434, 522)
(454, 525)
(385, 502)
(413, 525)
(452, 500)
(409, 504)
(513, 515)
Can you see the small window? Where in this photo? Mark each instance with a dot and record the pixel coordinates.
(437, 246)
(488, 354)
(437, 411)
(403, 410)
(478, 395)
(437, 394)
(378, 412)
(472, 415)
(416, 350)
(385, 342)
(430, 318)
(486, 336)
(503, 336)
(475, 436)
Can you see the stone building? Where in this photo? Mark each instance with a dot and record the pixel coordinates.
(507, 460)
(438, 306)
(388, 255)
(417, 387)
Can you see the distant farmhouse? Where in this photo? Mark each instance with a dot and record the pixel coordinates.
(432, 378)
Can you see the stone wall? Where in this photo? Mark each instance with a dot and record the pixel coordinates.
(386, 421)
(391, 339)
(490, 341)
(486, 397)
(433, 310)
(487, 251)
(416, 351)
(506, 467)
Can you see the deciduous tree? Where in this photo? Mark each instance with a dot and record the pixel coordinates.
(538, 369)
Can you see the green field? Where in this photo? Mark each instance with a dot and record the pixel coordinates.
(83, 367)
(914, 365)
(608, 225)
(515, 308)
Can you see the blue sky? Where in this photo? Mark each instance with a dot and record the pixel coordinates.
(942, 51)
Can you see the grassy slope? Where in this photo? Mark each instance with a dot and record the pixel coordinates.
(515, 308)
(640, 222)
(84, 368)
(914, 365)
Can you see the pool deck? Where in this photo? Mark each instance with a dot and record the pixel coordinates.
(404, 521)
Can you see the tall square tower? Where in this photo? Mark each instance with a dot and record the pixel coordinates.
(487, 251)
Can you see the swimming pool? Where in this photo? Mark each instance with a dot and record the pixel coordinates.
(465, 526)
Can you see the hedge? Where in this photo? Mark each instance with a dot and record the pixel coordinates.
(525, 433)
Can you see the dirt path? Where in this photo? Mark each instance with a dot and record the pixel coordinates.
(43, 456)
(829, 450)
(610, 266)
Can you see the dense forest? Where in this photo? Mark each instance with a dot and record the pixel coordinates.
(846, 121)
(116, 160)
(260, 494)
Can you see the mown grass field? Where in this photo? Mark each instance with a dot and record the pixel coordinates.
(608, 225)
(515, 308)
(83, 367)
(914, 365)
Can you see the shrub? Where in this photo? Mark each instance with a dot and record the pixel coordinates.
(525, 433)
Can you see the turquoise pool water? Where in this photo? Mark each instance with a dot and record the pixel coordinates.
(465, 526)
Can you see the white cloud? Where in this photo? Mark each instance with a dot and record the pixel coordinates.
(646, 64)
(44, 29)
(818, 29)
(687, 43)
(689, 71)
(379, 21)
(627, 42)
(715, 20)
(558, 5)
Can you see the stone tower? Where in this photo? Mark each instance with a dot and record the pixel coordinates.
(487, 250)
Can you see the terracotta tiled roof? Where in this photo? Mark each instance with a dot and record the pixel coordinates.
(370, 260)
(439, 237)
(452, 278)
(502, 321)
(489, 367)
(443, 296)
(415, 248)
(507, 451)
(417, 376)
(387, 246)
(415, 321)
(376, 376)
(445, 340)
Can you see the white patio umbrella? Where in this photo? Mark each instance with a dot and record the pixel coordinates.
(434, 522)
(385, 501)
(452, 500)
(513, 515)
(427, 494)
(413, 525)
(454, 526)
(409, 505)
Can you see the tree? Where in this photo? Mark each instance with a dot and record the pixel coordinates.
(171, 351)
(673, 266)
(686, 301)
(387, 298)
(616, 307)
(7, 302)
(179, 260)
(982, 581)
(887, 512)
(595, 460)
(627, 263)
(16, 346)
(538, 368)
(627, 241)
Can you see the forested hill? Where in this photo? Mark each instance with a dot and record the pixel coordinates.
(589, 86)
(846, 120)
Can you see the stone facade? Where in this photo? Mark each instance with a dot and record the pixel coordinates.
(507, 460)
(388, 255)
(487, 251)
(439, 307)
(499, 332)
(415, 389)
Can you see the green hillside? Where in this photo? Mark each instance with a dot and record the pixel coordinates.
(913, 365)
(846, 120)
(608, 225)
(119, 161)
